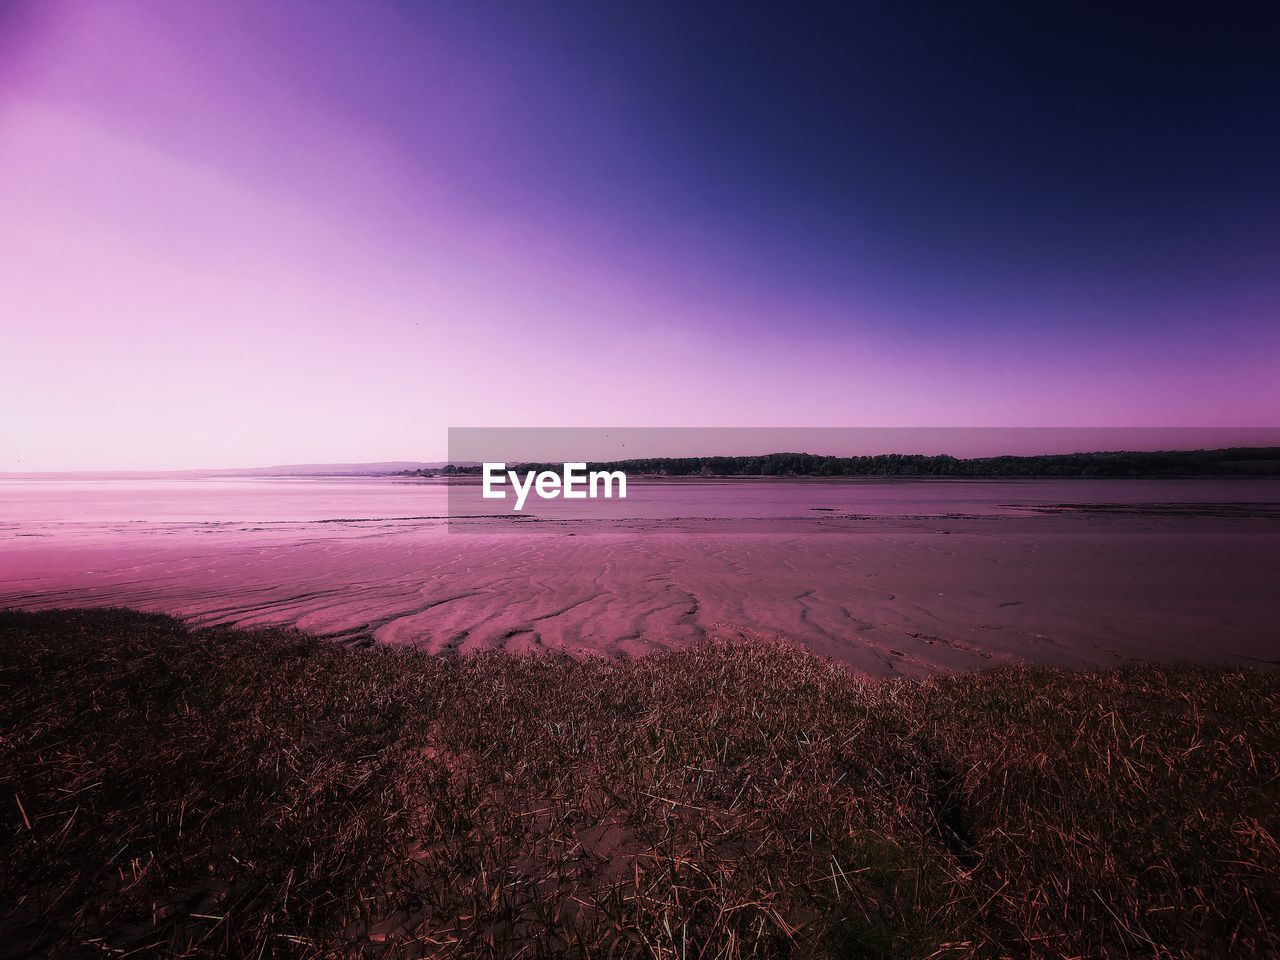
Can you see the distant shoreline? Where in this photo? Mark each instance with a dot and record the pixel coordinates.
(1229, 461)
(1139, 464)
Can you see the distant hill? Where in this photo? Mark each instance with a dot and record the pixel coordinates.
(1121, 463)
(1252, 461)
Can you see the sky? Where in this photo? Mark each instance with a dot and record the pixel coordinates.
(241, 233)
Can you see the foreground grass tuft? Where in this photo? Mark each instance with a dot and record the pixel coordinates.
(173, 792)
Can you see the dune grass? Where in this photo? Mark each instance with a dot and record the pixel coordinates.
(223, 793)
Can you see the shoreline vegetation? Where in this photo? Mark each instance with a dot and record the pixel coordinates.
(1232, 461)
(171, 791)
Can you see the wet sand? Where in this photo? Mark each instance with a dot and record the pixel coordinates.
(885, 594)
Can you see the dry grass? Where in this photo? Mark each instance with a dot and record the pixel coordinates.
(226, 793)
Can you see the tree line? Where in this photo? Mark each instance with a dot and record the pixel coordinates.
(1124, 463)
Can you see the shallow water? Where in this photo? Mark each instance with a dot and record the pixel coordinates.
(33, 504)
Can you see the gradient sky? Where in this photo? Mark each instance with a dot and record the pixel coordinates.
(244, 233)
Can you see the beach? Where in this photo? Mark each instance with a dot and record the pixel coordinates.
(886, 577)
(365, 716)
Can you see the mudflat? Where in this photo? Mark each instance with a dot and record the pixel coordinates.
(889, 577)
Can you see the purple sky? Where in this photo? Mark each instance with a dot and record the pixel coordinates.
(237, 234)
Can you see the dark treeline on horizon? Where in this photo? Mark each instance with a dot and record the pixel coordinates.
(1252, 460)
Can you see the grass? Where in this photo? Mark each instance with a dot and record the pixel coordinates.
(221, 793)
